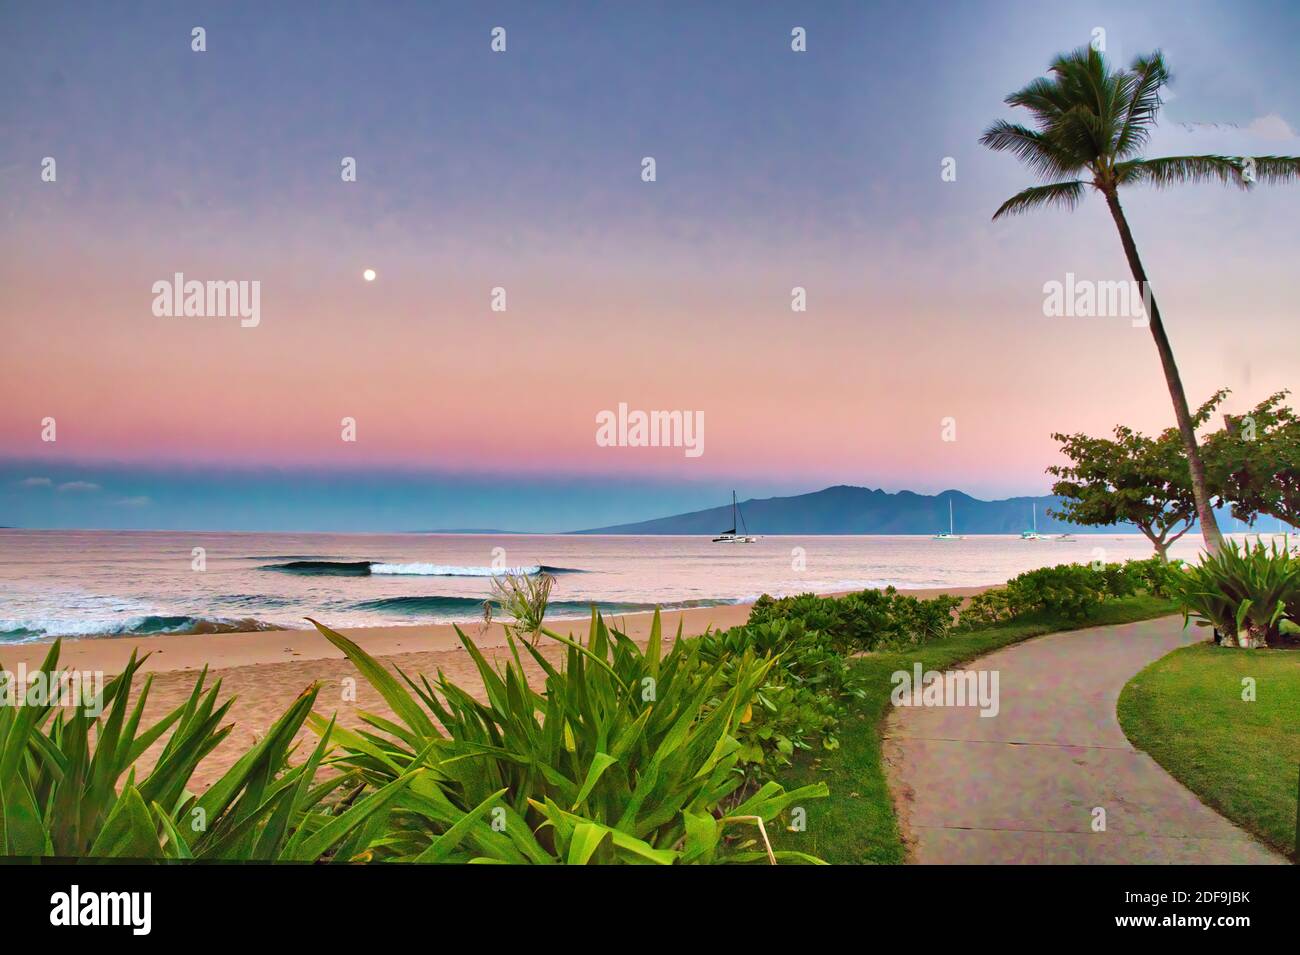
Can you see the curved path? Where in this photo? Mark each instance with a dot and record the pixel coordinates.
(1023, 786)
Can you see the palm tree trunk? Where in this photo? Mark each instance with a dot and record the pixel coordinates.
(1204, 513)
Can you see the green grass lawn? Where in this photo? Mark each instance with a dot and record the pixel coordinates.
(1241, 758)
(856, 823)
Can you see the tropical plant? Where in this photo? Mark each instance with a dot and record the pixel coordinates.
(1092, 122)
(1156, 575)
(523, 597)
(1117, 580)
(801, 702)
(1069, 590)
(1131, 478)
(1243, 592)
(989, 607)
(869, 620)
(62, 769)
(1254, 461)
(630, 755)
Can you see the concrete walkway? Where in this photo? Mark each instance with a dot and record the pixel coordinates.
(1022, 786)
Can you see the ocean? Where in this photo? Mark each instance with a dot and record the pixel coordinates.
(115, 583)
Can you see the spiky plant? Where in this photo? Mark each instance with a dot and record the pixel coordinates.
(522, 597)
(72, 783)
(1091, 124)
(630, 755)
(1242, 592)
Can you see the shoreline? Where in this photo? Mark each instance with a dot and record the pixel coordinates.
(262, 672)
(250, 648)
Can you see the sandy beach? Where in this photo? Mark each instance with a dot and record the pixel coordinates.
(266, 670)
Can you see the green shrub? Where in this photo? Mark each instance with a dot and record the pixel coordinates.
(988, 608)
(630, 755)
(1068, 590)
(59, 793)
(1242, 592)
(1076, 591)
(869, 620)
(1156, 576)
(815, 613)
(803, 698)
(1118, 580)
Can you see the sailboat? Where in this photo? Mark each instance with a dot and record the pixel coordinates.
(950, 536)
(1033, 535)
(730, 536)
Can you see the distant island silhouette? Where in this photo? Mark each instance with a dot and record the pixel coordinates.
(845, 509)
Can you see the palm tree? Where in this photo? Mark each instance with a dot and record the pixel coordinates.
(1091, 124)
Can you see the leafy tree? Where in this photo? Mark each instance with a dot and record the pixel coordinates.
(1091, 124)
(1254, 461)
(1133, 478)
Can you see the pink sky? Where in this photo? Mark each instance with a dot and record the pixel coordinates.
(853, 389)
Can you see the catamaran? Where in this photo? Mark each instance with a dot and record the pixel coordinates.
(1033, 535)
(950, 536)
(730, 536)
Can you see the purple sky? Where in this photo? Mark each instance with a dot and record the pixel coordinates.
(522, 170)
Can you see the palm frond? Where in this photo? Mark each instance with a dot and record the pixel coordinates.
(1176, 170)
(1085, 132)
(1096, 96)
(1273, 170)
(1046, 158)
(1043, 97)
(1079, 107)
(1141, 87)
(1091, 122)
(1065, 194)
(1070, 67)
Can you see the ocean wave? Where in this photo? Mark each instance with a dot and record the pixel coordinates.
(422, 605)
(256, 602)
(458, 570)
(364, 568)
(20, 631)
(323, 568)
(290, 557)
(443, 604)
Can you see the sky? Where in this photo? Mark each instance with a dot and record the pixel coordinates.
(522, 170)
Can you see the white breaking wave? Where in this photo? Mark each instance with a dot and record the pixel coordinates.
(41, 628)
(38, 628)
(29, 629)
(450, 570)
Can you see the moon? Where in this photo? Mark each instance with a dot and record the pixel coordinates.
(368, 275)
